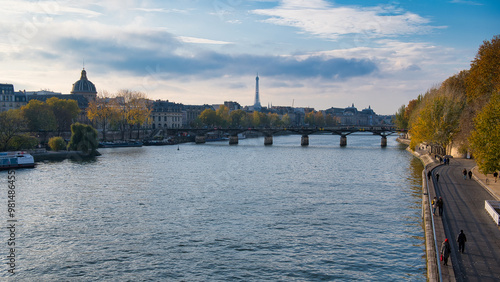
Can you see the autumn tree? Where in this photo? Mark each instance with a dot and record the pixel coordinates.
(285, 120)
(319, 119)
(103, 110)
(209, 117)
(65, 112)
(223, 117)
(274, 120)
(485, 139)
(437, 120)
(484, 74)
(309, 119)
(135, 110)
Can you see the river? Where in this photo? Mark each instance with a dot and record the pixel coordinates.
(215, 212)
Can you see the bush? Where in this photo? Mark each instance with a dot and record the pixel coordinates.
(57, 144)
(22, 142)
(83, 138)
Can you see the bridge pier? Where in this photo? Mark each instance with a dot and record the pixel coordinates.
(268, 140)
(383, 142)
(304, 140)
(200, 139)
(343, 140)
(233, 140)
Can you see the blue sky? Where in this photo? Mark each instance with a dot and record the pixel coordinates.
(313, 53)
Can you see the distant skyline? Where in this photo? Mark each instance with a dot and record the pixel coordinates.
(314, 53)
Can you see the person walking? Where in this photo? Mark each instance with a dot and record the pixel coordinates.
(464, 172)
(470, 174)
(440, 206)
(495, 175)
(461, 241)
(445, 251)
(434, 205)
(429, 174)
(437, 177)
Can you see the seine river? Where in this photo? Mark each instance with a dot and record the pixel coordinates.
(215, 212)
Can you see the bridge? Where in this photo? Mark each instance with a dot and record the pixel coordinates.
(342, 131)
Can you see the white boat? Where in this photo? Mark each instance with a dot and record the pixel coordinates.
(10, 160)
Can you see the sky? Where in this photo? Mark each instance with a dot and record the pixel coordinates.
(307, 53)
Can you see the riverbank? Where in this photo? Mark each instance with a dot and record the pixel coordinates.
(430, 242)
(44, 155)
(434, 229)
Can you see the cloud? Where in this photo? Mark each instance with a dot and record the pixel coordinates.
(466, 2)
(321, 19)
(188, 39)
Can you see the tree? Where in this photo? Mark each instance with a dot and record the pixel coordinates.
(399, 118)
(12, 126)
(274, 120)
(484, 74)
(485, 139)
(437, 120)
(256, 119)
(103, 110)
(209, 117)
(40, 117)
(83, 138)
(135, 109)
(65, 112)
(285, 120)
(223, 116)
(238, 118)
(319, 119)
(309, 119)
(57, 143)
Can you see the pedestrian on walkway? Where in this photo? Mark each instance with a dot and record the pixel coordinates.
(470, 174)
(495, 175)
(461, 241)
(464, 172)
(434, 205)
(440, 206)
(437, 177)
(429, 174)
(445, 251)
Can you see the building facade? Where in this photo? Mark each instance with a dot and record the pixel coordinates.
(10, 100)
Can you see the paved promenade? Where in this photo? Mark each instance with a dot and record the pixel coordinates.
(464, 210)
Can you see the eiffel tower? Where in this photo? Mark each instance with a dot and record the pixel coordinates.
(256, 105)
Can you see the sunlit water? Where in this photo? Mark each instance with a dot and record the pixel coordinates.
(216, 212)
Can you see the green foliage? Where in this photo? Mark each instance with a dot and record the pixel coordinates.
(399, 118)
(57, 144)
(40, 116)
(238, 118)
(12, 124)
(22, 142)
(83, 138)
(65, 112)
(485, 139)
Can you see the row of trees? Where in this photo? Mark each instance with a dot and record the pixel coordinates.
(37, 117)
(463, 112)
(125, 110)
(239, 118)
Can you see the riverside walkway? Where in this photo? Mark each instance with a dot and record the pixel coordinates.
(464, 210)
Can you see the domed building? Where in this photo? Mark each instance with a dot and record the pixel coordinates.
(84, 87)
